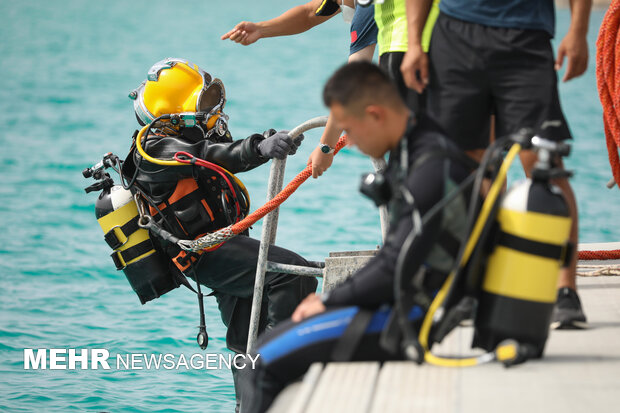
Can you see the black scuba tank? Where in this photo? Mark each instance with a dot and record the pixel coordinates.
(144, 266)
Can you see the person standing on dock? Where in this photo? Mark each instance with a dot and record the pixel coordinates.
(496, 58)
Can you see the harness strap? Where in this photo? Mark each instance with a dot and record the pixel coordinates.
(449, 243)
(541, 249)
(350, 339)
(121, 258)
(453, 155)
(127, 229)
(184, 259)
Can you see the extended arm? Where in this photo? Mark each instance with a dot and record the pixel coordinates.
(237, 156)
(294, 21)
(320, 161)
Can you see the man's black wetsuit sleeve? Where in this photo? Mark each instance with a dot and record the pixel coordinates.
(237, 156)
(373, 284)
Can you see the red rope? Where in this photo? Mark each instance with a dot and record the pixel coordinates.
(282, 196)
(599, 255)
(607, 71)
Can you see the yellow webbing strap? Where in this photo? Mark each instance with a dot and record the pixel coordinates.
(485, 211)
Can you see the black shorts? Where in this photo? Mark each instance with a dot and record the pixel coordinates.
(477, 71)
(390, 62)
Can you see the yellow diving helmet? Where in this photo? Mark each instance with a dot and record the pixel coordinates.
(177, 86)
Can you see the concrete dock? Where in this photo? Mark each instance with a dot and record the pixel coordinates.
(580, 372)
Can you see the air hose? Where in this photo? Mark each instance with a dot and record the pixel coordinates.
(183, 158)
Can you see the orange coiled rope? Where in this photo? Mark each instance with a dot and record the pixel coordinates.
(607, 74)
(224, 234)
(608, 81)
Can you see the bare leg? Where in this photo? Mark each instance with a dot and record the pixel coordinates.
(568, 313)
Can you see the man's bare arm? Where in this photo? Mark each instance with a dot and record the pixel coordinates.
(293, 21)
(415, 61)
(574, 46)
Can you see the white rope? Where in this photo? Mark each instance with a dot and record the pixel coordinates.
(207, 241)
(591, 270)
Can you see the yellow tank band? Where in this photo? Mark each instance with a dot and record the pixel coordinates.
(115, 219)
(515, 274)
(535, 226)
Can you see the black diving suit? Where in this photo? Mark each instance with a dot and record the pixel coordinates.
(229, 270)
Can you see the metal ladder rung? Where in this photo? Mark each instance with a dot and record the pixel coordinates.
(295, 269)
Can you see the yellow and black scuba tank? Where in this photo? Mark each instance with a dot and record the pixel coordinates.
(526, 245)
(519, 286)
(144, 266)
(134, 253)
(507, 270)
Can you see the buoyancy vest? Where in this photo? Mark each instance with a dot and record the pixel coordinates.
(452, 230)
(196, 206)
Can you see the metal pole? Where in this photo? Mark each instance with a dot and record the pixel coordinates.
(270, 226)
(294, 269)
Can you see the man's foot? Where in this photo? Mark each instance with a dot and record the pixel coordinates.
(568, 313)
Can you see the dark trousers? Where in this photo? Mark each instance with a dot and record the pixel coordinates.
(230, 272)
(476, 71)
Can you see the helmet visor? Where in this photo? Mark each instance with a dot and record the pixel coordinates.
(212, 96)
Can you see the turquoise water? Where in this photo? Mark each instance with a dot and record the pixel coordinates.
(67, 68)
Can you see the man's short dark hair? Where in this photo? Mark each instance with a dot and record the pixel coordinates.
(359, 84)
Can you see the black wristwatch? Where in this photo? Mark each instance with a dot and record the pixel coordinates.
(325, 148)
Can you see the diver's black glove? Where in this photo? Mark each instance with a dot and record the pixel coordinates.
(279, 144)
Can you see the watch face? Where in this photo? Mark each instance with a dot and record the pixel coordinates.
(325, 148)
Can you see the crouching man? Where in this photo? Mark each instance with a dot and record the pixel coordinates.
(423, 167)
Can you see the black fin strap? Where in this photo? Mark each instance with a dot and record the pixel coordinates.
(350, 339)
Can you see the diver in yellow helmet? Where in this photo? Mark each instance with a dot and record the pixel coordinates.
(182, 108)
